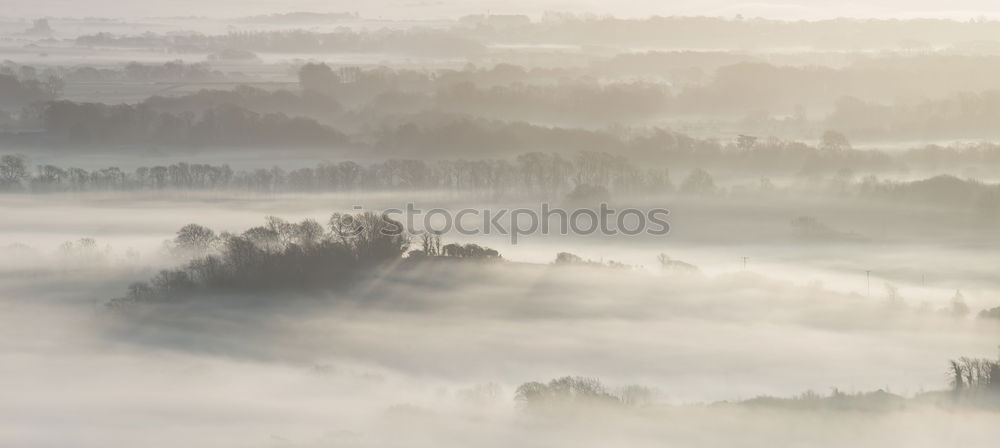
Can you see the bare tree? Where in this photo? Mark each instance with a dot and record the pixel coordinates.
(194, 239)
(13, 170)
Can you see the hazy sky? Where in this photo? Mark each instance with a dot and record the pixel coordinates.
(401, 9)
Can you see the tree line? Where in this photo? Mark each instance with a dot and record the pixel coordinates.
(736, 32)
(741, 86)
(413, 41)
(70, 122)
(959, 115)
(170, 71)
(248, 116)
(584, 178)
(974, 382)
(535, 173)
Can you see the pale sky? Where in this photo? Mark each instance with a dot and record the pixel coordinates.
(403, 9)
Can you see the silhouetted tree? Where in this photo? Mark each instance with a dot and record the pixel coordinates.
(13, 171)
(566, 391)
(698, 182)
(834, 141)
(194, 239)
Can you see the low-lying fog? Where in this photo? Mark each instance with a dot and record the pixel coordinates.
(928, 251)
(432, 355)
(192, 251)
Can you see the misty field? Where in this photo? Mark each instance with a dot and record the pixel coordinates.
(452, 224)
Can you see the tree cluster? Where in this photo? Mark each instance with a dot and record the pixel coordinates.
(16, 92)
(284, 256)
(575, 391)
(975, 378)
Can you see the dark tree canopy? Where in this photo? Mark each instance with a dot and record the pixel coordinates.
(286, 256)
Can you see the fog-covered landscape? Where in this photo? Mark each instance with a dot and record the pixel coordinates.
(450, 224)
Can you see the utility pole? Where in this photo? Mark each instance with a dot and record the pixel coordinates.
(868, 279)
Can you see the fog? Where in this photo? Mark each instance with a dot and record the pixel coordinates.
(556, 223)
(400, 10)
